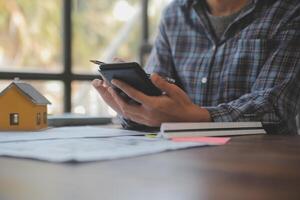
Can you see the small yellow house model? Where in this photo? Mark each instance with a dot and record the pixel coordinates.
(22, 108)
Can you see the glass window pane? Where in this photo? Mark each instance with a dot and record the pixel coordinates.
(30, 35)
(52, 90)
(156, 8)
(86, 100)
(103, 30)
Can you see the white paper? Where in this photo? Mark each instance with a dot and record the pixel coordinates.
(90, 149)
(66, 132)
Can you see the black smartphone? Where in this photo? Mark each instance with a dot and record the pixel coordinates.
(130, 73)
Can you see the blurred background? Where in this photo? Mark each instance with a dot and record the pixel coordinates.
(49, 44)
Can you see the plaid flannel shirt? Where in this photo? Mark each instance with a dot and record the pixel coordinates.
(250, 74)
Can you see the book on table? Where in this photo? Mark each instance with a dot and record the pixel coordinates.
(169, 130)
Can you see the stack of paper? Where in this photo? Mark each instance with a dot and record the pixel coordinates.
(169, 130)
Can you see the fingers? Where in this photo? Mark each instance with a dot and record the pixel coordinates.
(131, 92)
(105, 94)
(99, 86)
(134, 113)
(124, 106)
(97, 83)
(170, 89)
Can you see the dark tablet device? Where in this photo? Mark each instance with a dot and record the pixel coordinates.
(130, 73)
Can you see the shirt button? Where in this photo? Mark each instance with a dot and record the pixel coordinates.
(204, 80)
(214, 48)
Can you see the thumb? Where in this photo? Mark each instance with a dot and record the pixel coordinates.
(163, 85)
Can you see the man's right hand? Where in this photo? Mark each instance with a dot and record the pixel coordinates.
(106, 93)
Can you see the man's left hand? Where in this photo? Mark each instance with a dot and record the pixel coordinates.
(173, 106)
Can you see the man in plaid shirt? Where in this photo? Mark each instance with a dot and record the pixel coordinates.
(233, 60)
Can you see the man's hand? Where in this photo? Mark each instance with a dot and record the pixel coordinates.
(173, 106)
(104, 89)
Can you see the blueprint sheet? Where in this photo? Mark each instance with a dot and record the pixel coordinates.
(90, 149)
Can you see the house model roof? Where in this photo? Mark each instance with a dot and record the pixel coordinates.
(29, 91)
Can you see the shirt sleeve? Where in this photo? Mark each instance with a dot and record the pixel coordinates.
(274, 97)
(160, 60)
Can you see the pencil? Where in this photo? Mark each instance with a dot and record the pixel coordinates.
(97, 62)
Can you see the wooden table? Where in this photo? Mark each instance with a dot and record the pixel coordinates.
(249, 167)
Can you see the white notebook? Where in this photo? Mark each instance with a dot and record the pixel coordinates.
(168, 130)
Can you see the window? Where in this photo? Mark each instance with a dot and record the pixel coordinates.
(30, 36)
(49, 44)
(103, 31)
(14, 119)
(38, 119)
(45, 117)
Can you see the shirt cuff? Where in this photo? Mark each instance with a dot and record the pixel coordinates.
(220, 114)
